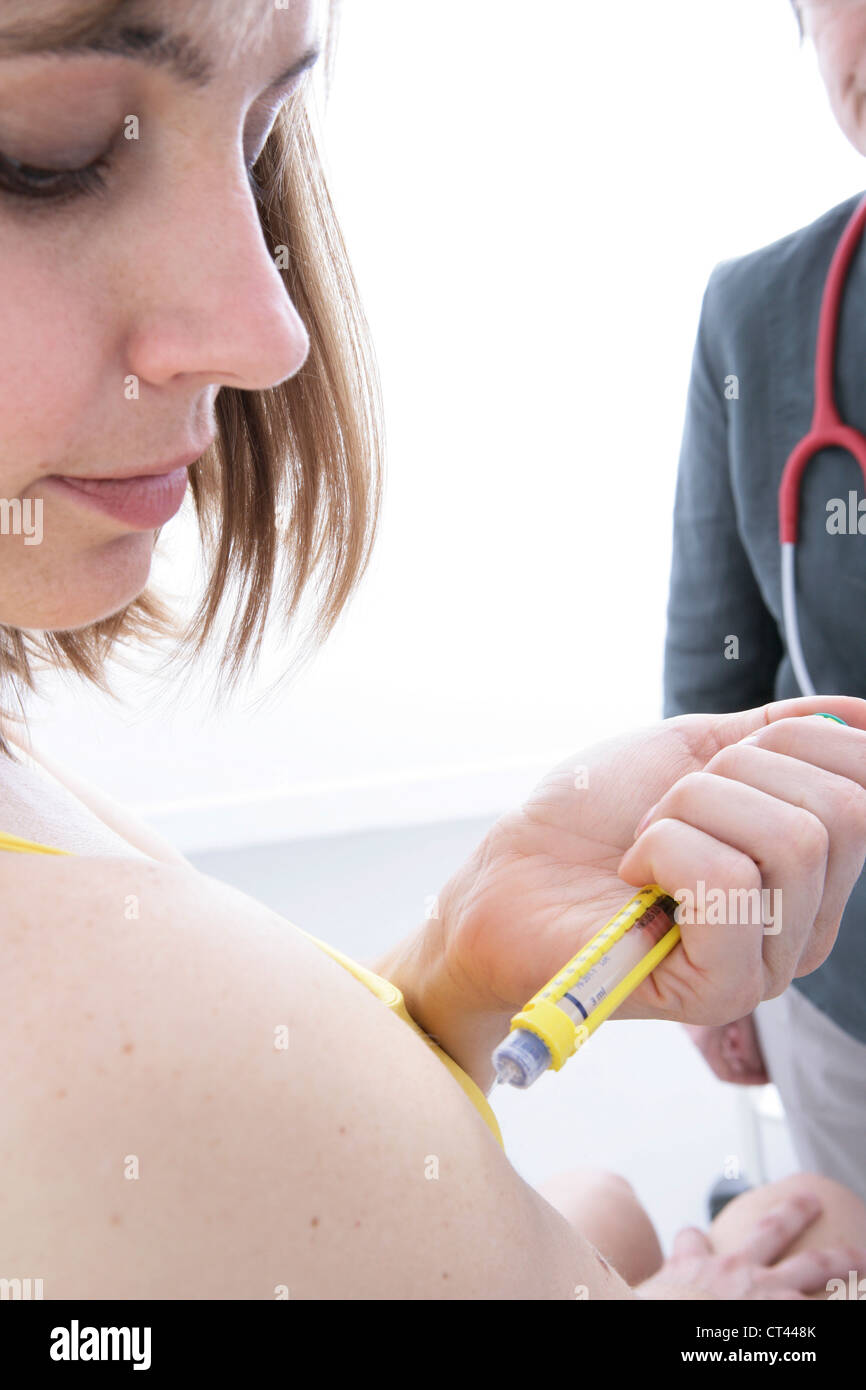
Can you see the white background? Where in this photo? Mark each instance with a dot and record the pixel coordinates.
(533, 198)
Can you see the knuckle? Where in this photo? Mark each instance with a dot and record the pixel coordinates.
(748, 875)
(825, 1261)
(734, 870)
(801, 1196)
(851, 802)
(772, 1223)
(808, 839)
(682, 793)
(727, 760)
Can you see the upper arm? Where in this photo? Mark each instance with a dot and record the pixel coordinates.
(714, 595)
(193, 1155)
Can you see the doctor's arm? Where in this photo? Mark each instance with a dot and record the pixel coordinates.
(714, 596)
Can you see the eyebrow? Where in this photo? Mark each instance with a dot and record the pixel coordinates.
(145, 43)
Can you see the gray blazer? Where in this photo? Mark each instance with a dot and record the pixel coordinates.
(758, 324)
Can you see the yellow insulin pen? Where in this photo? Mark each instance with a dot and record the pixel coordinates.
(561, 1016)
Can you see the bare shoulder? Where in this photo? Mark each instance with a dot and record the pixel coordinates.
(118, 818)
(198, 1103)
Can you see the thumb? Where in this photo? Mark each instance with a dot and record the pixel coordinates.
(730, 728)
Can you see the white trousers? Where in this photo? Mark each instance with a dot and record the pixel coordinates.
(820, 1073)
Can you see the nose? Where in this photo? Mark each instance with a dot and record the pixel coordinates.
(209, 301)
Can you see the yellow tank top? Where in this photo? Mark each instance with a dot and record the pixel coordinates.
(389, 994)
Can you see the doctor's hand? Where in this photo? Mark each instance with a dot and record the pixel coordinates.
(766, 1262)
(685, 804)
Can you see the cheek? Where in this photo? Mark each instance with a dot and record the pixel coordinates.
(841, 48)
(50, 349)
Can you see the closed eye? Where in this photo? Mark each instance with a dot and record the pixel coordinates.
(18, 179)
(24, 182)
(62, 185)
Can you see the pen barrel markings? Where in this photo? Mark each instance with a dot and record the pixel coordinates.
(568, 1009)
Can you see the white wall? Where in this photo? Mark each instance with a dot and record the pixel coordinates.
(533, 197)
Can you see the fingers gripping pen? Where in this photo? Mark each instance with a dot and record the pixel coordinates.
(561, 1016)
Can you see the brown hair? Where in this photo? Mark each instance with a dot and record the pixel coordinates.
(311, 448)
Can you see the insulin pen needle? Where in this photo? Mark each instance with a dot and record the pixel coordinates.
(507, 1071)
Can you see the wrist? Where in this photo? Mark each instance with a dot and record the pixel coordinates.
(417, 965)
(412, 965)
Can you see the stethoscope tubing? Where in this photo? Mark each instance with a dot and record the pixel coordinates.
(827, 431)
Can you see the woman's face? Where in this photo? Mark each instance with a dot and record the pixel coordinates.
(131, 293)
(838, 30)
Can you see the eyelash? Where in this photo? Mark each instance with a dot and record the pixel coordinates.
(27, 181)
(21, 180)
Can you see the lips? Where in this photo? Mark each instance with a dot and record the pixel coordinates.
(142, 503)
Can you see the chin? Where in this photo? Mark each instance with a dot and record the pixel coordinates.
(74, 592)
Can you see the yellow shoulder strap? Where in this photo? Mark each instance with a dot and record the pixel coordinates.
(12, 842)
(393, 998)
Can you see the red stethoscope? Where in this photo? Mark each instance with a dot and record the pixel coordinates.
(826, 431)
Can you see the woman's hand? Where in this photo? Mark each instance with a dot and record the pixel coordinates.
(757, 1269)
(784, 814)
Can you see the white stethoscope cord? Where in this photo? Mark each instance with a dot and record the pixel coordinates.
(789, 615)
